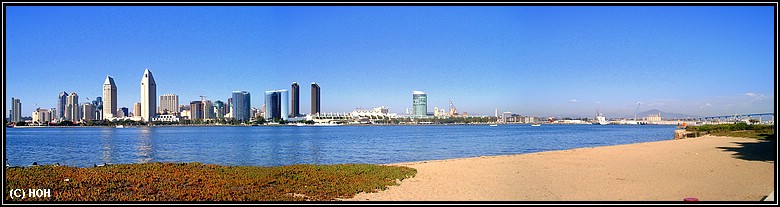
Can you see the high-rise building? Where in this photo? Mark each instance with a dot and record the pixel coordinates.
(219, 109)
(136, 109)
(98, 103)
(208, 109)
(16, 110)
(54, 114)
(241, 105)
(419, 103)
(61, 102)
(88, 112)
(276, 103)
(109, 92)
(229, 108)
(72, 112)
(196, 109)
(148, 96)
(295, 100)
(123, 112)
(315, 98)
(169, 103)
(41, 116)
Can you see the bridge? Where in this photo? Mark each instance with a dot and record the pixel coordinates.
(737, 117)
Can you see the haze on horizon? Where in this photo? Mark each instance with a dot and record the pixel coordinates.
(530, 60)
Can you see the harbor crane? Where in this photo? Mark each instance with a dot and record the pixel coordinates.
(453, 110)
(637, 109)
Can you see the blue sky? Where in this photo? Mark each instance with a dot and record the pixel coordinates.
(530, 60)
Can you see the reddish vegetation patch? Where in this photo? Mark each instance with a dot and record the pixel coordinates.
(204, 182)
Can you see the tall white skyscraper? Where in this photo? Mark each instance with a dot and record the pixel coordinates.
(148, 96)
(109, 100)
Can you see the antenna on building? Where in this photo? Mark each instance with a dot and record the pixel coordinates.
(202, 98)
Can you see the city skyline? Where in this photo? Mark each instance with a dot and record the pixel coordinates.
(536, 61)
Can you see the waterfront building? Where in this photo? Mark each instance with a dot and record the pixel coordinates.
(169, 104)
(88, 112)
(16, 110)
(148, 96)
(185, 114)
(72, 112)
(276, 104)
(229, 108)
(183, 107)
(506, 116)
(654, 118)
(419, 103)
(41, 116)
(98, 104)
(315, 98)
(208, 109)
(54, 115)
(110, 102)
(123, 112)
(241, 105)
(196, 110)
(295, 100)
(262, 110)
(219, 109)
(136, 109)
(378, 112)
(61, 102)
(166, 118)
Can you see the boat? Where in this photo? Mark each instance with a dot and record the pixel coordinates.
(494, 125)
(300, 124)
(536, 125)
(600, 119)
(120, 126)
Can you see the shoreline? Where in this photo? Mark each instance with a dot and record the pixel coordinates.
(709, 168)
(308, 125)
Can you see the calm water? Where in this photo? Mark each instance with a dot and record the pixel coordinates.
(273, 146)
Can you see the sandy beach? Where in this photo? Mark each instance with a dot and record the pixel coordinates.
(707, 168)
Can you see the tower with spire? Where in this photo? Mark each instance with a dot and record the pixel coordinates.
(148, 96)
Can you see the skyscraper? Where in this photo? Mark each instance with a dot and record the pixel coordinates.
(98, 103)
(196, 109)
(241, 105)
(315, 98)
(109, 92)
(219, 109)
(208, 109)
(148, 96)
(61, 101)
(229, 108)
(419, 103)
(169, 103)
(295, 100)
(136, 109)
(276, 103)
(72, 108)
(16, 110)
(87, 114)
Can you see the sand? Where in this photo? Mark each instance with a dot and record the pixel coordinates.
(707, 168)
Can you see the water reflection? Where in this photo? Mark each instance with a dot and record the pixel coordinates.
(144, 149)
(106, 134)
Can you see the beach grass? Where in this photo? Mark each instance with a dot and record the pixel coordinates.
(736, 130)
(204, 182)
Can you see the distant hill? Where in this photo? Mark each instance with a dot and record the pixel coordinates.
(664, 115)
